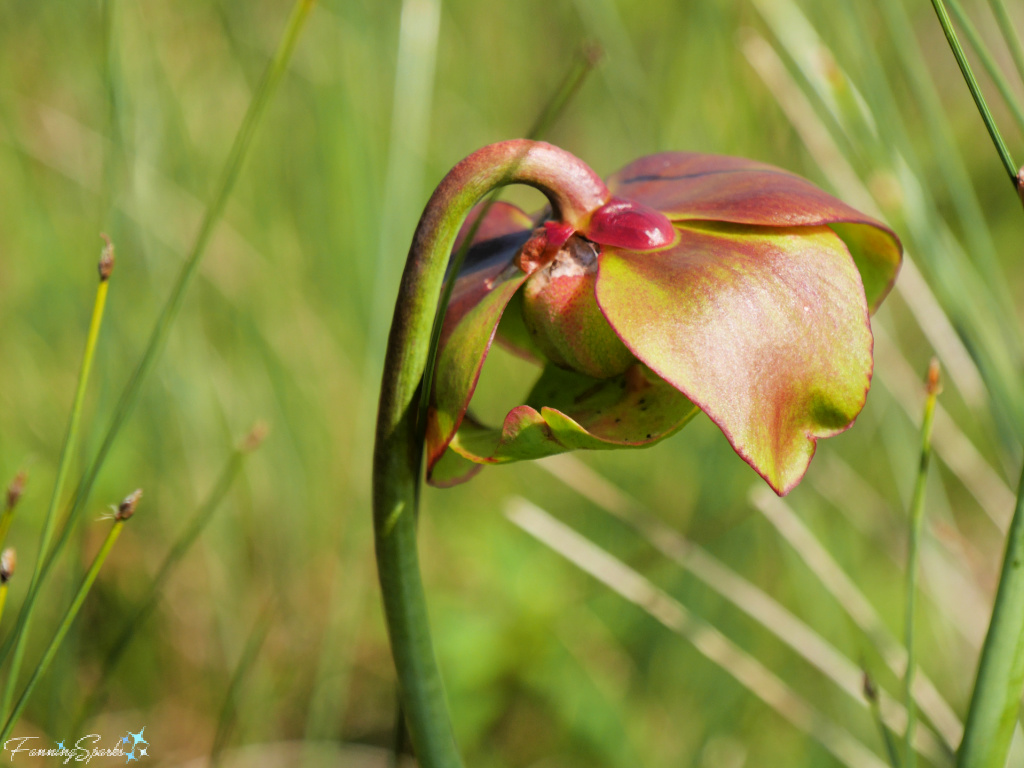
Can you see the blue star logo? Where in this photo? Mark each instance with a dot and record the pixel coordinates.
(60, 745)
(131, 756)
(124, 740)
(138, 738)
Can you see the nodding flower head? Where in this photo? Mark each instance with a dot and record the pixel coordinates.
(701, 283)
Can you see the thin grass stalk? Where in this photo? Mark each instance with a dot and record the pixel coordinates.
(995, 702)
(856, 605)
(972, 84)
(913, 561)
(188, 536)
(1010, 35)
(239, 150)
(988, 62)
(744, 595)
(8, 560)
(229, 711)
(706, 639)
(106, 266)
(14, 493)
(124, 513)
(871, 694)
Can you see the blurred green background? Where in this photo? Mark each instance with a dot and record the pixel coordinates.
(117, 116)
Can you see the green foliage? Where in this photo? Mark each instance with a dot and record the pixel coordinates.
(118, 117)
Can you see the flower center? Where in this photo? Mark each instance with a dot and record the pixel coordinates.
(561, 313)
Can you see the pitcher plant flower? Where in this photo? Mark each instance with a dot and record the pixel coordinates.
(687, 282)
(700, 283)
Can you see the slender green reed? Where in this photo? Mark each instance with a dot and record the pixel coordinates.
(188, 536)
(229, 175)
(8, 561)
(1010, 35)
(992, 714)
(14, 493)
(988, 61)
(871, 694)
(972, 84)
(229, 712)
(124, 512)
(106, 267)
(913, 561)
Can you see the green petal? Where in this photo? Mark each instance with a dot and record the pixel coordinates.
(486, 283)
(766, 329)
(469, 325)
(568, 411)
(690, 186)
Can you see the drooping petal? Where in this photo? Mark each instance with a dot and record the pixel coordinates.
(692, 186)
(568, 411)
(766, 330)
(486, 283)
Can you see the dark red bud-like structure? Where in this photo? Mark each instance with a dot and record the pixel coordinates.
(627, 224)
(562, 316)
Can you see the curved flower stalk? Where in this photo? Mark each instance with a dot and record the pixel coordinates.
(687, 282)
(702, 282)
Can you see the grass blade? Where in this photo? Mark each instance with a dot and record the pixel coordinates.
(988, 62)
(229, 175)
(715, 646)
(124, 512)
(871, 694)
(744, 595)
(976, 94)
(995, 702)
(857, 606)
(14, 493)
(1009, 35)
(8, 560)
(106, 265)
(229, 712)
(188, 536)
(913, 559)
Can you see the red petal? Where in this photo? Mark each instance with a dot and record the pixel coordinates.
(687, 186)
(766, 330)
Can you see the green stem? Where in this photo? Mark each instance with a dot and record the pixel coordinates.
(229, 712)
(1009, 35)
(871, 694)
(14, 491)
(988, 62)
(149, 600)
(574, 192)
(972, 84)
(913, 560)
(65, 625)
(229, 175)
(567, 89)
(997, 688)
(63, 466)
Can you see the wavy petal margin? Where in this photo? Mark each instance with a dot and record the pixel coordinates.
(691, 186)
(567, 411)
(766, 330)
